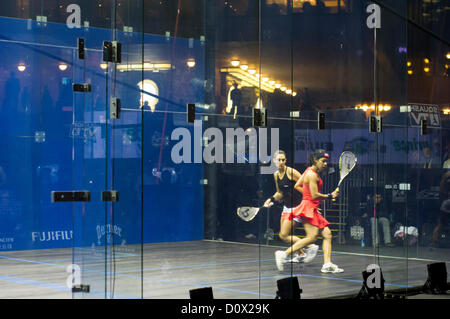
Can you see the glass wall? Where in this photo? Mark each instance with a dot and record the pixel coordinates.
(131, 160)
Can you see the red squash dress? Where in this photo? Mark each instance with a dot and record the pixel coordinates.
(308, 211)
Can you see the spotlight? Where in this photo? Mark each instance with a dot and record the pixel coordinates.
(201, 294)
(373, 283)
(190, 63)
(62, 66)
(21, 67)
(288, 288)
(437, 279)
(235, 63)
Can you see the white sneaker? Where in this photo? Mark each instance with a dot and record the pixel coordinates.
(331, 268)
(311, 253)
(280, 257)
(296, 259)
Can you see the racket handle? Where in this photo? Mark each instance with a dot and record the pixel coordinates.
(337, 189)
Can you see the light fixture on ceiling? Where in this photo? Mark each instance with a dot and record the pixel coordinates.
(190, 63)
(21, 67)
(63, 66)
(235, 62)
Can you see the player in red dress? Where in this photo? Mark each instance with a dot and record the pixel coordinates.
(308, 213)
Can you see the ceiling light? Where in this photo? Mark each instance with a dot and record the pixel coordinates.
(62, 66)
(235, 63)
(190, 63)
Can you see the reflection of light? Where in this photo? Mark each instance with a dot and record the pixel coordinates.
(365, 107)
(146, 99)
(62, 66)
(146, 66)
(244, 67)
(190, 63)
(247, 80)
(21, 67)
(235, 63)
(104, 66)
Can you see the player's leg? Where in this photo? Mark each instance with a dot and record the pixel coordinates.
(328, 266)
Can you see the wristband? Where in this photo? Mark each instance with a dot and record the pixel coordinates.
(330, 196)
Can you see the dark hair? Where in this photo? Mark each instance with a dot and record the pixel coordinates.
(316, 155)
(278, 153)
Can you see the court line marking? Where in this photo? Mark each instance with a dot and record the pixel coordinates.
(209, 283)
(177, 283)
(53, 286)
(341, 252)
(299, 275)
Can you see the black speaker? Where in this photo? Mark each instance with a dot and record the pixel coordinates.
(423, 127)
(288, 288)
(320, 121)
(437, 279)
(81, 52)
(201, 294)
(190, 113)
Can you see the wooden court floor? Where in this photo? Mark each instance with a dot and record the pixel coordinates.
(170, 270)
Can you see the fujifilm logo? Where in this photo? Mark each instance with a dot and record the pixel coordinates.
(208, 147)
(52, 235)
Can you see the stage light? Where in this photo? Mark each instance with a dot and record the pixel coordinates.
(426, 69)
(283, 88)
(265, 79)
(288, 91)
(410, 72)
(437, 279)
(190, 63)
(294, 93)
(201, 294)
(62, 66)
(21, 67)
(277, 85)
(426, 61)
(244, 67)
(448, 56)
(252, 71)
(288, 288)
(408, 63)
(271, 82)
(235, 63)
